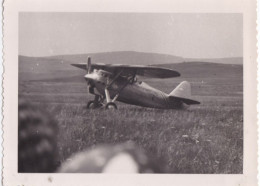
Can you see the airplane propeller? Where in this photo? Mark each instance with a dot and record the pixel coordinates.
(89, 65)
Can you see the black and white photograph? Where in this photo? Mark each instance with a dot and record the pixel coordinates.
(104, 93)
(131, 92)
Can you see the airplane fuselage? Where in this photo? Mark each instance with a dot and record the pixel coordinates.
(135, 92)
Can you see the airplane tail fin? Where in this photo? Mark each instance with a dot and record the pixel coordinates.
(183, 93)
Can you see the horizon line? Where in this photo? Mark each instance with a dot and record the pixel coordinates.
(132, 52)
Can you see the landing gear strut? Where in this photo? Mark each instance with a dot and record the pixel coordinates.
(110, 103)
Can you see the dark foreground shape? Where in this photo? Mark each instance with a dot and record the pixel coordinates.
(37, 138)
(122, 158)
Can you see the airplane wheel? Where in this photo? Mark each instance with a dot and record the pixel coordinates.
(111, 105)
(93, 105)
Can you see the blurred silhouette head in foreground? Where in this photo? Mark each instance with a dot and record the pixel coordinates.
(37, 134)
(121, 158)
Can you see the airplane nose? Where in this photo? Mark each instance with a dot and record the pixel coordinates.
(88, 76)
(89, 79)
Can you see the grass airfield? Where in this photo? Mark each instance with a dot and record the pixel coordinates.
(206, 138)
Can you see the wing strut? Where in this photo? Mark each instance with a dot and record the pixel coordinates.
(115, 78)
(109, 84)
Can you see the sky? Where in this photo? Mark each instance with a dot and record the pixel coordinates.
(198, 35)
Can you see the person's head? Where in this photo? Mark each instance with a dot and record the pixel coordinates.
(120, 158)
(37, 133)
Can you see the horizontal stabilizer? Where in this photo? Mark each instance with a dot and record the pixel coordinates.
(186, 101)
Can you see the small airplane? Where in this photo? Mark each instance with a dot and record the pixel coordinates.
(114, 82)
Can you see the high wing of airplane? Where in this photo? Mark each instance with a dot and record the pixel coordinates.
(115, 82)
(141, 70)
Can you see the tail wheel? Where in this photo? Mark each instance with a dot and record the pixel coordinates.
(111, 105)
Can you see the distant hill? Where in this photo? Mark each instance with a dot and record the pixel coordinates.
(38, 68)
(124, 57)
(131, 57)
(58, 68)
(233, 60)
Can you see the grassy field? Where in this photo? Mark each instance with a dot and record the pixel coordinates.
(206, 138)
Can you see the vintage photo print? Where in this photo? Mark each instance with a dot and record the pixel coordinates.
(200, 67)
(101, 95)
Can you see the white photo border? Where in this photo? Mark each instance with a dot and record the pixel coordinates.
(10, 87)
